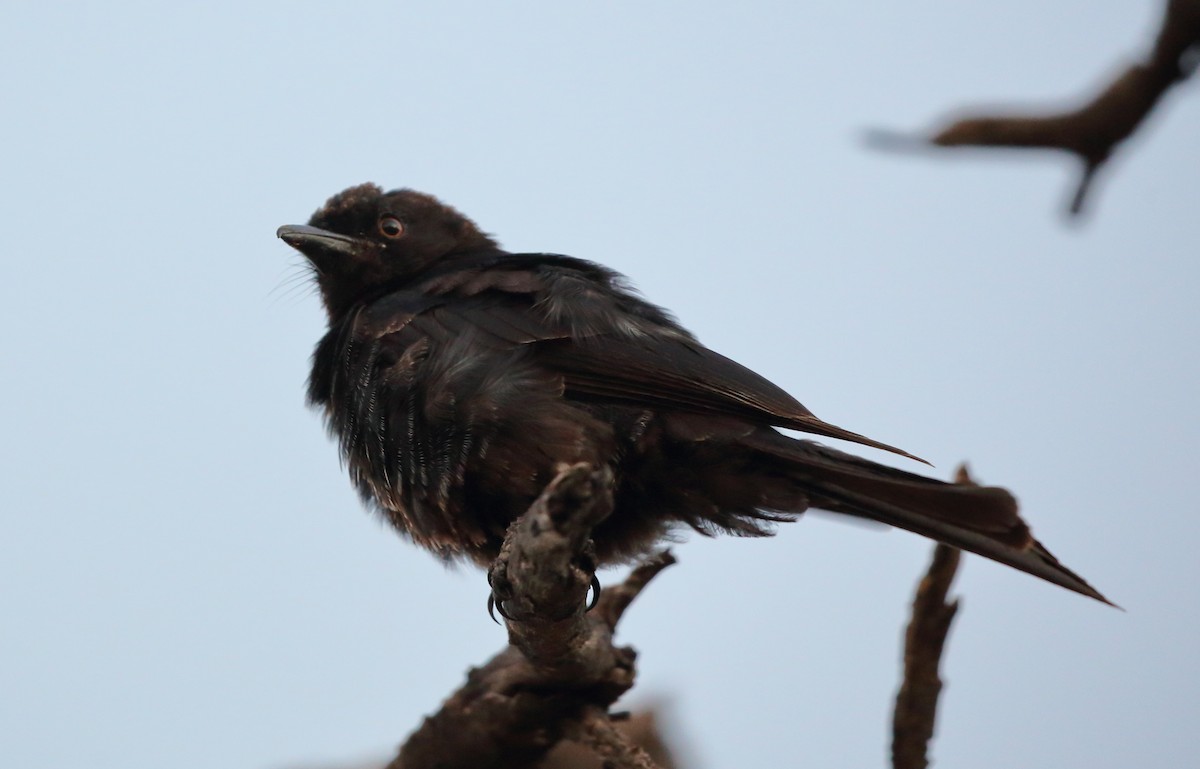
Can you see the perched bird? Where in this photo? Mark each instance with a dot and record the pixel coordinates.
(458, 377)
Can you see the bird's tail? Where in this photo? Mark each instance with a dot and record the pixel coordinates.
(979, 519)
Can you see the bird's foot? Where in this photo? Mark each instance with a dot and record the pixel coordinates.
(502, 591)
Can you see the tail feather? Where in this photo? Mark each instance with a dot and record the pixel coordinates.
(979, 519)
(1033, 558)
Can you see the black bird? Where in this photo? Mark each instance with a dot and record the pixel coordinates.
(458, 377)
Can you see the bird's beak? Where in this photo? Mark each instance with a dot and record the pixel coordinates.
(314, 242)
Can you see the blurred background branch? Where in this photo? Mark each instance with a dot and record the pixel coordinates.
(1092, 131)
(916, 703)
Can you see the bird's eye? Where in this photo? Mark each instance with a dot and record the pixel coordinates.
(391, 227)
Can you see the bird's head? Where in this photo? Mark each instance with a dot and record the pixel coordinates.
(364, 240)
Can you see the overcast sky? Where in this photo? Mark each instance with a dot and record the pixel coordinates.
(186, 576)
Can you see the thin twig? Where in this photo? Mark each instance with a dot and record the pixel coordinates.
(916, 702)
(616, 599)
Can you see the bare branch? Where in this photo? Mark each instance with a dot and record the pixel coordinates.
(597, 731)
(641, 729)
(617, 599)
(1092, 131)
(561, 666)
(916, 702)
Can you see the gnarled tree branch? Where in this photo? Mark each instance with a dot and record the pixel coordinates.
(561, 671)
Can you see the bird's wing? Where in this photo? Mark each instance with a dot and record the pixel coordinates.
(678, 373)
(657, 370)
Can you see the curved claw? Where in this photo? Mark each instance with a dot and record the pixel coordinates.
(595, 593)
(496, 607)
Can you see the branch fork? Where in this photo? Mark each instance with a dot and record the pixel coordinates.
(561, 671)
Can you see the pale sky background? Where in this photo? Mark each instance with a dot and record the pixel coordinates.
(187, 578)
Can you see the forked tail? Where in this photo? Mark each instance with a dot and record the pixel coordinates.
(979, 519)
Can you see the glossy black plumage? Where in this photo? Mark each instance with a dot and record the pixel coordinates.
(459, 378)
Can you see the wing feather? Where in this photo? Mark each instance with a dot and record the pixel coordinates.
(668, 370)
